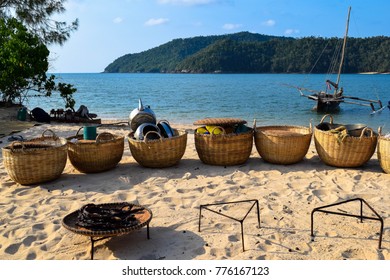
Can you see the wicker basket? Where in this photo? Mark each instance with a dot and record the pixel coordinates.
(383, 152)
(349, 151)
(37, 160)
(90, 156)
(224, 149)
(282, 144)
(158, 153)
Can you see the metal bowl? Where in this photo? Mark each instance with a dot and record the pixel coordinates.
(145, 128)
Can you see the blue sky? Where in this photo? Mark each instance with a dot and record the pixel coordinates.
(110, 29)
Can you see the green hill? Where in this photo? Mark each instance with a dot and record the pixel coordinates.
(246, 52)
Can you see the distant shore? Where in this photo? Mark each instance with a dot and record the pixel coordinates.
(374, 73)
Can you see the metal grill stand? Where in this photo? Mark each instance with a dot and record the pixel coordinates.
(241, 221)
(70, 222)
(93, 240)
(377, 218)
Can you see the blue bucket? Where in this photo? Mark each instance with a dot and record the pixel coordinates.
(89, 132)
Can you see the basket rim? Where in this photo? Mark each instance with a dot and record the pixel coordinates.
(91, 142)
(220, 121)
(34, 141)
(233, 134)
(282, 126)
(383, 138)
(263, 130)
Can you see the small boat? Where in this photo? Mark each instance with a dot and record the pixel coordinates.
(328, 102)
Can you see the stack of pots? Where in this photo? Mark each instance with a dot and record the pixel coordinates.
(154, 144)
(143, 120)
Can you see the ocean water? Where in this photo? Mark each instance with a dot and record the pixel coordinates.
(185, 98)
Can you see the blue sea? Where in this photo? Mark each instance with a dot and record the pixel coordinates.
(185, 98)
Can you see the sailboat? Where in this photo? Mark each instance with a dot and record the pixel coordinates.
(330, 102)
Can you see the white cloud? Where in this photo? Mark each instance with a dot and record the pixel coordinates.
(186, 2)
(269, 22)
(231, 26)
(117, 20)
(291, 31)
(156, 21)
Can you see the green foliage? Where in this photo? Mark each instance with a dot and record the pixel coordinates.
(37, 16)
(245, 52)
(23, 61)
(66, 92)
(23, 66)
(166, 57)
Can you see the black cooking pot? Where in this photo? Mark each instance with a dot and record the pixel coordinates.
(165, 128)
(352, 129)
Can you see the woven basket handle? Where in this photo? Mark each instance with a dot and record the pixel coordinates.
(380, 130)
(17, 142)
(101, 136)
(330, 117)
(254, 124)
(220, 127)
(364, 131)
(77, 133)
(147, 133)
(54, 136)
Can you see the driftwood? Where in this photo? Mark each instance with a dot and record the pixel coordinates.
(82, 115)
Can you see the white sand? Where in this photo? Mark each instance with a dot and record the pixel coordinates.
(30, 220)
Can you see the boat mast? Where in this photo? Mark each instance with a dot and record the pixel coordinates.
(343, 50)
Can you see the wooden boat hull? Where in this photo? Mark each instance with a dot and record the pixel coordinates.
(326, 103)
(328, 106)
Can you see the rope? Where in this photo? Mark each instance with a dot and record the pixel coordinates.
(323, 50)
(340, 133)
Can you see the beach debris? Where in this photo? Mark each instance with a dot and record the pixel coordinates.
(15, 138)
(287, 210)
(40, 115)
(83, 112)
(81, 115)
(187, 176)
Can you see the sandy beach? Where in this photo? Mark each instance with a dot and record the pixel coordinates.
(31, 229)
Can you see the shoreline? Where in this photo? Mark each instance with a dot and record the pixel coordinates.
(30, 227)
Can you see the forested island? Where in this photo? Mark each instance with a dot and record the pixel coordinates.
(246, 52)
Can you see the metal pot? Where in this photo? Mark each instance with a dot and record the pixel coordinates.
(166, 129)
(141, 115)
(145, 128)
(355, 129)
(352, 129)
